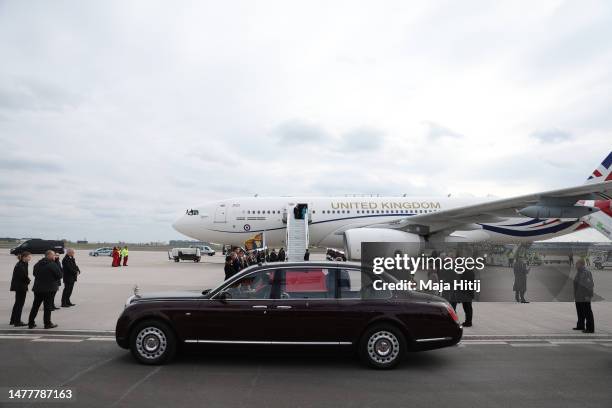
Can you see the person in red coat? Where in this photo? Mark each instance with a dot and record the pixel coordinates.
(116, 256)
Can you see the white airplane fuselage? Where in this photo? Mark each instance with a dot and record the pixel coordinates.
(233, 221)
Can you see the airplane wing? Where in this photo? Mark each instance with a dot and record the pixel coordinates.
(497, 210)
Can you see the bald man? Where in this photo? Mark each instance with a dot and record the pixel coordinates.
(46, 275)
(71, 272)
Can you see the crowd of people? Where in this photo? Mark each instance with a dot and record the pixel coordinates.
(48, 274)
(238, 259)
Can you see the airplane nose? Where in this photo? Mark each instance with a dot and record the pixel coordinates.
(179, 225)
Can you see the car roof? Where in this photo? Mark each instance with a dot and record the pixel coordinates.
(315, 264)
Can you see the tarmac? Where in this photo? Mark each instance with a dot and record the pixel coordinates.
(101, 291)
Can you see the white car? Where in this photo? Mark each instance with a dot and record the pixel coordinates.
(101, 252)
(204, 249)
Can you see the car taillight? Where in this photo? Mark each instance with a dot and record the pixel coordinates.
(452, 313)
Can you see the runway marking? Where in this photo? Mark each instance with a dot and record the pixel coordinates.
(58, 340)
(533, 344)
(18, 336)
(100, 339)
(135, 385)
(479, 342)
(88, 369)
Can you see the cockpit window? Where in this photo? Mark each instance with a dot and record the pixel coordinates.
(191, 211)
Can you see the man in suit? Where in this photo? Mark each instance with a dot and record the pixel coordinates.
(520, 279)
(71, 272)
(46, 275)
(583, 294)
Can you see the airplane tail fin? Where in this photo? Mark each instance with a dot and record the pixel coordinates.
(601, 220)
(602, 173)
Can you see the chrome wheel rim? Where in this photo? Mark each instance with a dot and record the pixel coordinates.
(383, 347)
(151, 343)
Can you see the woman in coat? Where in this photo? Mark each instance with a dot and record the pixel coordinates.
(19, 285)
(115, 256)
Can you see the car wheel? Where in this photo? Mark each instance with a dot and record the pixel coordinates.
(382, 346)
(152, 342)
(95, 254)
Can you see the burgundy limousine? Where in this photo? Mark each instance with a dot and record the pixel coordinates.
(290, 303)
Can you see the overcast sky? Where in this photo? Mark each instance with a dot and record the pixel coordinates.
(116, 116)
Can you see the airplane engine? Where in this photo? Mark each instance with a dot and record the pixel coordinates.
(354, 237)
(544, 211)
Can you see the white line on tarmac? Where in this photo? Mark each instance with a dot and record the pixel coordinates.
(18, 336)
(479, 342)
(533, 345)
(101, 338)
(58, 340)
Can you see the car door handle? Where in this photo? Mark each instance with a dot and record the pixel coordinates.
(260, 307)
(283, 307)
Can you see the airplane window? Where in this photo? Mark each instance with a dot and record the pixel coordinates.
(268, 211)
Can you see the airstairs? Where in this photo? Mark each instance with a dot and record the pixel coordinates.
(297, 232)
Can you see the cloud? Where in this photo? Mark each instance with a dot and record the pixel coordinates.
(25, 164)
(362, 140)
(551, 135)
(436, 131)
(32, 94)
(300, 132)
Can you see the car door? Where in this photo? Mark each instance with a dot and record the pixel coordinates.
(242, 316)
(306, 309)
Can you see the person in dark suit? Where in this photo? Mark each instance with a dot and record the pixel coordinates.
(307, 255)
(59, 281)
(273, 255)
(281, 255)
(46, 275)
(71, 272)
(583, 294)
(228, 268)
(464, 296)
(19, 285)
(520, 280)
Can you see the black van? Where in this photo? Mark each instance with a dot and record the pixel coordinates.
(38, 246)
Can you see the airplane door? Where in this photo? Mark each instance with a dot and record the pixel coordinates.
(221, 213)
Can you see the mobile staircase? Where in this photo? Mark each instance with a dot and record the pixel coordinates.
(297, 232)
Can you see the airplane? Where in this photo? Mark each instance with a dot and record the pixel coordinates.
(348, 221)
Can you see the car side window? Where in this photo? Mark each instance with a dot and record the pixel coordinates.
(258, 285)
(349, 283)
(308, 283)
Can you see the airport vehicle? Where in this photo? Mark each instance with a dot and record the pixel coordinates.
(105, 251)
(603, 261)
(185, 254)
(290, 303)
(333, 254)
(346, 222)
(204, 249)
(38, 246)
